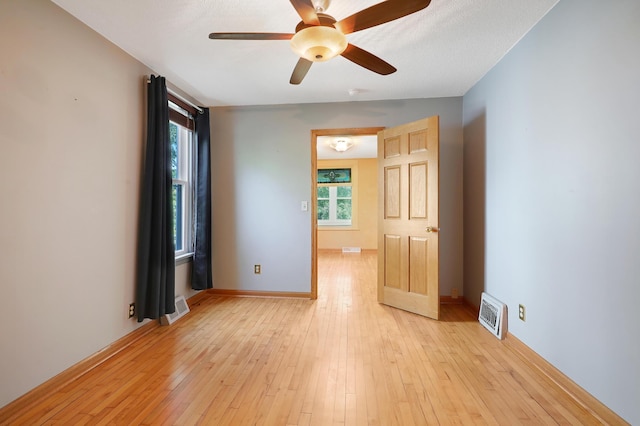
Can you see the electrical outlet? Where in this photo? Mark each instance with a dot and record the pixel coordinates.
(256, 269)
(454, 293)
(132, 310)
(521, 312)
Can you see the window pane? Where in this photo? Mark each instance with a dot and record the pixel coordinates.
(323, 192)
(177, 217)
(173, 141)
(343, 209)
(181, 151)
(344, 191)
(323, 209)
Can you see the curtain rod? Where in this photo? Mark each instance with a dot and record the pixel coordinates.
(200, 110)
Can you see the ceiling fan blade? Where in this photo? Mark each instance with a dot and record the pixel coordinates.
(379, 14)
(367, 60)
(250, 36)
(300, 71)
(306, 11)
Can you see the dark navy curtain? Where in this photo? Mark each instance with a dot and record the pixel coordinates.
(201, 277)
(155, 286)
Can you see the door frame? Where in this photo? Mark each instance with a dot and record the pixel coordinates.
(355, 131)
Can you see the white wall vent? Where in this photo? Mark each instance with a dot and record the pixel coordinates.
(181, 310)
(351, 249)
(493, 315)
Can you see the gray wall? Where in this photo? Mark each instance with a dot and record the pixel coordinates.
(262, 171)
(71, 135)
(552, 194)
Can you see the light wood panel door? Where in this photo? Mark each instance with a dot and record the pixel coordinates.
(408, 162)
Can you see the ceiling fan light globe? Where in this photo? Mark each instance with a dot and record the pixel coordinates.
(319, 43)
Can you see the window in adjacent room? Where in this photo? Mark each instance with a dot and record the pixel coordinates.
(181, 127)
(334, 205)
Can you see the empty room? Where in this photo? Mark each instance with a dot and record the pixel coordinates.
(319, 212)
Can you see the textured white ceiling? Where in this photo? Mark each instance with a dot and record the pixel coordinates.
(441, 51)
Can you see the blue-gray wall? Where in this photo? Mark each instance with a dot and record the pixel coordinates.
(262, 171)
(552, 194)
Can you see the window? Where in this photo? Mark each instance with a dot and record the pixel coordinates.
(334, 205)
(182, 172)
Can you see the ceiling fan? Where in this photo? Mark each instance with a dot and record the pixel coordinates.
(319, 37)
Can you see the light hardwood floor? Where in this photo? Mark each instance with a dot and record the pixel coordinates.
(341, 359)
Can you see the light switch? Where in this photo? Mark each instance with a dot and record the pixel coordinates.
(304, 206)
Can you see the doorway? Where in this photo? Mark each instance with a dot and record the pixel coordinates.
(316, 136)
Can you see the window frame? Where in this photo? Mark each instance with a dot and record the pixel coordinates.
(181, 115)
(355, 189)
(333, 205)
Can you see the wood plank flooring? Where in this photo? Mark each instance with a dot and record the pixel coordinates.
(341, 359)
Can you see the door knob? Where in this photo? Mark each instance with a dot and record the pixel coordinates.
(431, 229)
